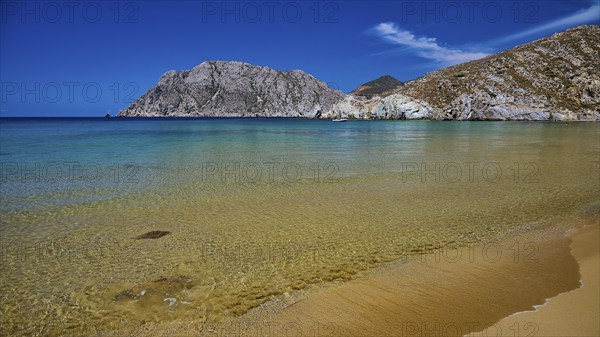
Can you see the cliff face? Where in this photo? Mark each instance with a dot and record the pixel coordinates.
(554, 78)
(235, 89)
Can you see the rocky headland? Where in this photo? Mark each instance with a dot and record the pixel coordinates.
(235, 89)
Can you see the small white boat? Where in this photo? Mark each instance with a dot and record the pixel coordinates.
(340, 120)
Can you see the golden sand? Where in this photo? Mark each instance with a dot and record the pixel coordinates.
(454, 293)
(574, 313)
(473, 291)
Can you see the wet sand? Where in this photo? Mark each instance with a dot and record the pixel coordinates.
(486, 290)
(574, 313)
(455, 293)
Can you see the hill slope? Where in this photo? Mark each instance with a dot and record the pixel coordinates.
(235, 89)
(556, 78)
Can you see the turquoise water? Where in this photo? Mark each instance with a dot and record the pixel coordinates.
(96, 159)
(257, 208)
(99, 158)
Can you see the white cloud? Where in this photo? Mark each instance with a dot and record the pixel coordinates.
(589, 15)
(425, 47)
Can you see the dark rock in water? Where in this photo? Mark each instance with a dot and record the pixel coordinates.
(173, 283)
(107, 116)
(153, 235)
(173, 289)
(124, 294)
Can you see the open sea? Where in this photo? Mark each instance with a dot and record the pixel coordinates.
(255, 208)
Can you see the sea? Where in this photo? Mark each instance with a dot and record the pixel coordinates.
(250, 210)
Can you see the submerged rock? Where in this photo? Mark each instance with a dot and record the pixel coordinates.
(125, 294)
(172, 289)
(153, 235)
(177, 282)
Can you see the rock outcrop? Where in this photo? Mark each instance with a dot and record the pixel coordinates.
(395, 106)
(235, 89)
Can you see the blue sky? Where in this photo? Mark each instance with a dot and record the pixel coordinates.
(87, 58)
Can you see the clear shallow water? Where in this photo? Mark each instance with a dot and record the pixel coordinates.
(256, 208)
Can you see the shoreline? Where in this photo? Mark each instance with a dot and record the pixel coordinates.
(551, 121)
(473, 293)
(573, 313)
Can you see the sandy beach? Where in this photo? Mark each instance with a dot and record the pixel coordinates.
(528, 284)
(574, 313)
(473, 291)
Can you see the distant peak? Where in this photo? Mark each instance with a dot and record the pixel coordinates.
(380, 86)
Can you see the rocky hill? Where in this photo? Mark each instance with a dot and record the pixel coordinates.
(235, 89)
(380, 86)
(554, 78)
